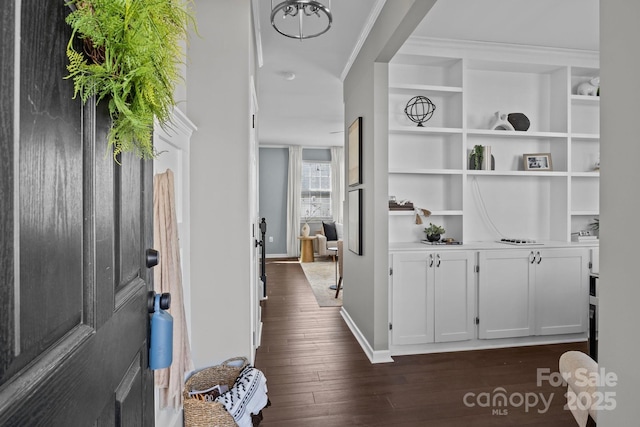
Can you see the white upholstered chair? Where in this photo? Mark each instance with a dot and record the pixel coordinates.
(324, 243)
(577, 387)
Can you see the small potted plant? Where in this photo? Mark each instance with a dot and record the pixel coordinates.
(476, 157)
(595, 225)
(434, 232)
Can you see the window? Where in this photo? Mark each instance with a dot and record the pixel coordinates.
(316, 190)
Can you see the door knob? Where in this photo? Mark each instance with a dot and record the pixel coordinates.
(152, 258)
(165, 301)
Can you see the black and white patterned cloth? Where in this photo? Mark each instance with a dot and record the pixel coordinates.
(247, 396)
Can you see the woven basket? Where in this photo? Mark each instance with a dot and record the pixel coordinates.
(198, 413)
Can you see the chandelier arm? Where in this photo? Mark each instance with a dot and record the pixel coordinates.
(300, 25)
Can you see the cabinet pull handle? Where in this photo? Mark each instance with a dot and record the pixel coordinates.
(430, 260)
(532, 257)
(438, 260)
(539, 257)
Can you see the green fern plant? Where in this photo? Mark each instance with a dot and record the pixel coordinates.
(130, 57)
(478, 154)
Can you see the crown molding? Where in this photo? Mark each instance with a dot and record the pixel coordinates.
(178, 123)
(256, 31)
(373, 16)
(493, 51)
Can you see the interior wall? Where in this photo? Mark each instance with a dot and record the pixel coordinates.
(274, 166)
(360, 271)
(366, 277)
(619, 342)
(316, 154)
(219, 71)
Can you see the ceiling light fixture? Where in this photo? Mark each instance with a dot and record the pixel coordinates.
(301, 19)
(289, 75)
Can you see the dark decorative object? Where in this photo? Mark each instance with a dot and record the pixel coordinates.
(419, 109)
(519, 121)
(433, 237)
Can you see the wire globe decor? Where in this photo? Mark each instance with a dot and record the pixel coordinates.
(419, 109)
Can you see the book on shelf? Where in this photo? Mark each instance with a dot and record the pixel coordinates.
(486, 158)
(401, 206)
(577, 238)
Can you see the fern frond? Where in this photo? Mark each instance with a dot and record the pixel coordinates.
(139, 46)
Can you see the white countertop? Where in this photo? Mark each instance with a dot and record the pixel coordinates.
(488, 245)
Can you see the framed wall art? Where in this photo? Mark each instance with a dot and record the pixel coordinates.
(355, 221)
(537, 162)
(355, 152)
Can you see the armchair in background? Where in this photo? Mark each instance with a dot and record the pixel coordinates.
(328, 237)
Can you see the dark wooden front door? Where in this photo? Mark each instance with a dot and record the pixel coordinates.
(74, 227)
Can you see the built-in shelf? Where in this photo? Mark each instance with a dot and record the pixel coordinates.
(585, 213)
(586, 136)
(594, 174)
(585, 99)
(516, 173)
(429, 165)
(516, 134)
(425, 88)
(433, 213)
(426, 171)
(425, 130)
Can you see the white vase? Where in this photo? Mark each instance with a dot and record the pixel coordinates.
(305, 230)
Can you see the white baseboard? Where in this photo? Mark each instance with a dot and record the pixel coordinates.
(482, 344)
(277, 256)
(375, 356)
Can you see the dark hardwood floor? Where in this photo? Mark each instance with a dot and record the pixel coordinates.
(318, 375)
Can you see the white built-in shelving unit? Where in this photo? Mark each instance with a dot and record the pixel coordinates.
(468, 83)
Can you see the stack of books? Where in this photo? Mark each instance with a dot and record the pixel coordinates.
(580, 238)
(486, 158)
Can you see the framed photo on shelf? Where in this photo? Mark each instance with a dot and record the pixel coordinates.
(355, 221)
(537, 162)
(355, 152)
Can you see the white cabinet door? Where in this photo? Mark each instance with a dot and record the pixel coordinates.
(454, 296)
(505, 294)
(561, 293)
(432, 297)
(533, 292)
(412, 299)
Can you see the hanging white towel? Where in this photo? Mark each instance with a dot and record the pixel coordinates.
(168, 278)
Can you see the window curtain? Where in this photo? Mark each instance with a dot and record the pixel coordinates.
(294, 188)
(337, 183)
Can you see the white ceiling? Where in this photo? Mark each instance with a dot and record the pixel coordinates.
(308, 110)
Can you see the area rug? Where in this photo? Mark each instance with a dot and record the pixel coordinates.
(321, 275)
